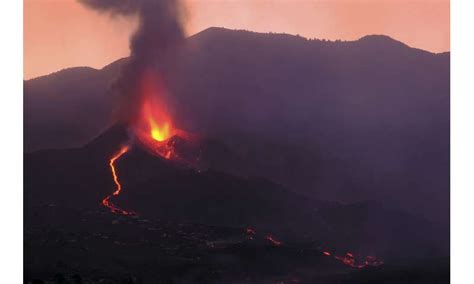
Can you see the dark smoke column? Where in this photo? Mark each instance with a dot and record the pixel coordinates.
(159, 32)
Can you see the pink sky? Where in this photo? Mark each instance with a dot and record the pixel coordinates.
(61, 33)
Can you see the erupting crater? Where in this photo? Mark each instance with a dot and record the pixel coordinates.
(154, 131)
(154, 128)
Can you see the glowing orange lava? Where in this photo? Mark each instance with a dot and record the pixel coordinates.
(350, 260)
(154, 128)
(159, 123)
(153, 125)
(106, 201)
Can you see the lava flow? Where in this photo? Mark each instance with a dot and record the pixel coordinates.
(350, 260)
(153, 128)
(106, 201)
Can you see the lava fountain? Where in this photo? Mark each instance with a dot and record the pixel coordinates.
(153, 126)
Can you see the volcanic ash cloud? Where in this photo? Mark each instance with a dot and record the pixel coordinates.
(159, 32)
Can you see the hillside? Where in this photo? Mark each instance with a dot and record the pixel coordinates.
(373, 113)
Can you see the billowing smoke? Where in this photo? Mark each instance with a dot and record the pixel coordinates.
(159, 33)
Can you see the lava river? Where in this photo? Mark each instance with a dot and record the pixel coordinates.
(106, 201)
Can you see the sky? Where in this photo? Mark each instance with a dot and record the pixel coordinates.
(62, 33)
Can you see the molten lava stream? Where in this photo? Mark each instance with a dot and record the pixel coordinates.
(106, 201)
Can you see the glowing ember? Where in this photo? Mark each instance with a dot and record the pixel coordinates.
(274, 241)
(250, 231)
(349, 260)
(106, 201)
(372, 261)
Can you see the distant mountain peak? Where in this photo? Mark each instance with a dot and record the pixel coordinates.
(68, 72)
(219, 31)
(381, 40)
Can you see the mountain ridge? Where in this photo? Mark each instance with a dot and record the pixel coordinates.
(206, 32)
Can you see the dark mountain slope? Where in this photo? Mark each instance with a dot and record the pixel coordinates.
(373, 113)
(69, 107)
(80, 178)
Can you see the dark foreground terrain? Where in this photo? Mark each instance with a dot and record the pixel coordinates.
(70, 246)
(206, 226)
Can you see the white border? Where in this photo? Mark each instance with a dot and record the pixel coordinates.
(462, 141)
(11, 155)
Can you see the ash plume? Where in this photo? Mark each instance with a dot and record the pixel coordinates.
(159, 32)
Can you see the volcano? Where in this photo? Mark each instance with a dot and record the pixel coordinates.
(350, 126)
(231, 179)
